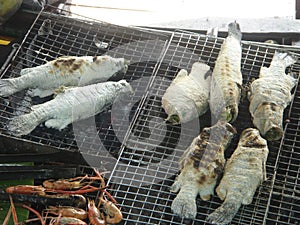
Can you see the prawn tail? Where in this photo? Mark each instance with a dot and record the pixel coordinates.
(286, 58)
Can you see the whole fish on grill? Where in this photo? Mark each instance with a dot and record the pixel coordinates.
(63, 71)
(244, 172)
(226, 82)
(270, 94)
(200, 166)
(187, 96)
(70, 105)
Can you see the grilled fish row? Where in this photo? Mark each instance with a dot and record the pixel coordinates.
(203, 163)
(243, 173)
(72, 104)
(63, 71)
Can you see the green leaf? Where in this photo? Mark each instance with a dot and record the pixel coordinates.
(22, 213)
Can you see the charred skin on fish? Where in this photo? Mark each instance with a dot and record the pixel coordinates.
(226, 82)
(72, 105)
(270, 94)
(187, 96)
(64, 71)
(200, 166)
(244, 172)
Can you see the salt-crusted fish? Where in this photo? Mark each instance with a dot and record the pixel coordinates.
(200, 166)
(244, 172)
(70, 105)
(63, 71)
(270, 94)
(226, 82)
(187, 96)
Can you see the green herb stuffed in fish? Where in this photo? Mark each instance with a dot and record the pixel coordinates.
(244, 172)
(200, 166)
(187, 96)
(70, 105)
(226, 82)
(63, 71)
(270, 94)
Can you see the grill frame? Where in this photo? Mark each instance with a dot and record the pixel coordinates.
(138, 180)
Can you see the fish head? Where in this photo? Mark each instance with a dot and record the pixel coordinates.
(126, 87)
(229, 113)
(222, 131)
(273, 134)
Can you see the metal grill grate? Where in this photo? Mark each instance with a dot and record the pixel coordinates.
(131, 139)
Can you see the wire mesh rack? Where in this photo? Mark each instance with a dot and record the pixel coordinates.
(131, 139)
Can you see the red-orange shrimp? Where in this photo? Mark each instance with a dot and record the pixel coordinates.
(65, 184)
(94, 214)
(26, 189)
(67, 211)
(68, 221)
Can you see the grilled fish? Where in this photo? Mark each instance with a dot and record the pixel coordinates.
(244, 172)
(200, 166)
(70, 105)
(187, 96)
(63, 71)
(270, 94)
(226, 82)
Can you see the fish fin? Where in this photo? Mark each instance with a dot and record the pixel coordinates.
(175, 186)
(25, 71)
(58, 123)
(40, 93)
(24, 124)
(180, 75)
(184, 207)
(208, 191)
(286, 57)
(205, 197)
(7, 88)
(201, 73)
(225, 213)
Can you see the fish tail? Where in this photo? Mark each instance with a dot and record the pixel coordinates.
(235, 30)
(286, 58)
(24, 124)
(184, 205)
(225, 213)
(7, 88)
